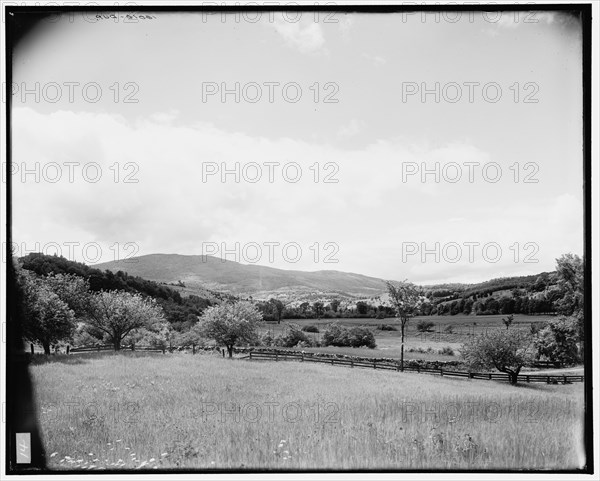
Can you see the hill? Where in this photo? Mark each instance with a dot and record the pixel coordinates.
(240, 279)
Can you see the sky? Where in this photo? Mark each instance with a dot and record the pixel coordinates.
(433, 149)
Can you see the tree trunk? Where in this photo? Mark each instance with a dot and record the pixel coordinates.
(513, 377)
(117, 344)
(402, 349)
(230, 351)
(46, 346)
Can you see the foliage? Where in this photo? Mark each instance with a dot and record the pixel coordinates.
(181, 312)
(406, 298)
(424, 325)
(231, 323)
(310, 328)
(294, 336)
(117, 313)
(338, 335)
(557, 340)
(508, 320)
(386, 327)
(506, 350)
(447, 351)
(47, 318)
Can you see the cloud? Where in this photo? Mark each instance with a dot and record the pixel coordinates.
(305, 36)
(360, 199)
(351, 129)
(377, 60)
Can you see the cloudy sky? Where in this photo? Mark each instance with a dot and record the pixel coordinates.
(332, 123)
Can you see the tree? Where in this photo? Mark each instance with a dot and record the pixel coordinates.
(571, 280)
(508, 320)
(362, 307)
(318, 308)
(117, 313)
(506, 350)
(231, 323)
(425, 326)
(277, 307)
(334, 304)
(557, 340)
(406, 298)
(72, 289)
(47, 318)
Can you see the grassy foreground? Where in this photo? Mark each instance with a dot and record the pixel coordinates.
(145, 411)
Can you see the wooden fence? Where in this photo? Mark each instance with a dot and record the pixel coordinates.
(110, 347)
(395, 366)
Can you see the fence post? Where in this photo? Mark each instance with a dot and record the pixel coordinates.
(276, 356)
(490, 376)
(332, 361)
(68, 349)
(194, 349)
(374, 364)
(352, 363)
(548, 379)
(163, 349)
(98, 347)
(302, 359)
(32, 348)
(133, 346)
(564, 379)
(527, 377)
(441, 371)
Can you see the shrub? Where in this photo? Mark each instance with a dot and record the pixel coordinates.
(449, 329)
(337, 335)
(425, 326)
(386, 327)
(447, 351)
(293, 336)
(310, 328)
(380, 315)
(266, 340)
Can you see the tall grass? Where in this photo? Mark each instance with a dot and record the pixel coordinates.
(145, 411)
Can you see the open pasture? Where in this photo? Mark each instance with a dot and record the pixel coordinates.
(388, 342)
(147, 411)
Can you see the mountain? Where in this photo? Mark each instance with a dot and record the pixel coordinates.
(218, 274)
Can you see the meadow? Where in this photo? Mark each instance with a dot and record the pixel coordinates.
(418, 345)
(153, 411)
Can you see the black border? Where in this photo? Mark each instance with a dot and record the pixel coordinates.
(20, 412)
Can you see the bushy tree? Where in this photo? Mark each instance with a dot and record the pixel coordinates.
(338, 335)
(425, 326)
(293, 336)
(118, 313)
(506, 350)
(231, 323)
(47, 318)
(557, 340)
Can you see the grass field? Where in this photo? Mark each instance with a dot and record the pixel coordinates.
(146, 411)
(388, 342)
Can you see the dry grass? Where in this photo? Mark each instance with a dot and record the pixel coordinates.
(136, 411)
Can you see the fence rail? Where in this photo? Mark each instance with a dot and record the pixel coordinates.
(110, 347)
(395, 366)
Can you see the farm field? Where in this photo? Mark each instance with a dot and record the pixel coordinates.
(147, 411)
(388, 342)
